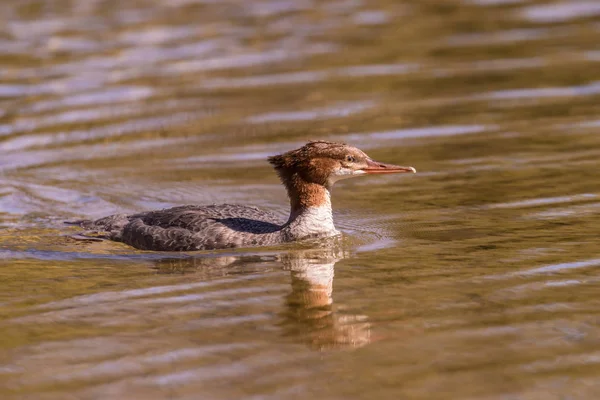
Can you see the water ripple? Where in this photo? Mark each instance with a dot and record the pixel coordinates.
(561, 11)
(334, 111)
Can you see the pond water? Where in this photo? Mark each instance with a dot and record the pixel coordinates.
(476, 278)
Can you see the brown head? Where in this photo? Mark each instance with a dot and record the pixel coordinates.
(323, 163)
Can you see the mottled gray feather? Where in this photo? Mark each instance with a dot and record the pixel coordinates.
(192, 227)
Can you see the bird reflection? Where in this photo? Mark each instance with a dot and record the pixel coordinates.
(310, 311)
(310, 314)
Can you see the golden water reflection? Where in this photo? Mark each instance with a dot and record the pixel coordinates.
(310, 313)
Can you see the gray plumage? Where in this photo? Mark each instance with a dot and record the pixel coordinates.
(188, 228)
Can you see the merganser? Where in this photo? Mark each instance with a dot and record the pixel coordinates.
(308, 173)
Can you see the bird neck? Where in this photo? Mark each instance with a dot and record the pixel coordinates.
(310, 209)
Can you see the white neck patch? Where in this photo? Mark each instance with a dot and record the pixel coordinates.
(313, 221)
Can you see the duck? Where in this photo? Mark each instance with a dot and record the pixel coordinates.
(308, 175)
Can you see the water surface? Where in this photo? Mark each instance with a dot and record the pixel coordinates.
(474, 279)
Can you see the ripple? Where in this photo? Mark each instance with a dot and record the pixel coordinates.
(499, 37)
(26, 159)
(543, 201)
(120, 129)
(15, 90)
(376, 70)
(496, 2)
(10, 47)
(424, 132)
(371, 17)
(44, 27)
(587, 124)
(573, 211)
(487, 66)
(593, 55)
(77, 361)
(112, 95)
(243, 60)
(529, 289)
(309, 76)
(110, 297)
(269, 8)
(592, 88)
(561, 12)
(335, 111)
(74, 45)
(275, 79)
(561, 267)
(95, 114)
(563, 362)
(137, 365)
(226, 158)
(159, 34)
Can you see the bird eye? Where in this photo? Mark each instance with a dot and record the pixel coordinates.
(350, 158)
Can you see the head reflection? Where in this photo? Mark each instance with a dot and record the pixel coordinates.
(309, 314)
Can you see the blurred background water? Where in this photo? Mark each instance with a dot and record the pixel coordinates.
(477, 278)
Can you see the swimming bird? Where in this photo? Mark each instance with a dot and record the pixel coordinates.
(308, 174)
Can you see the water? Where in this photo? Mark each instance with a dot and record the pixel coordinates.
(476, 278)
